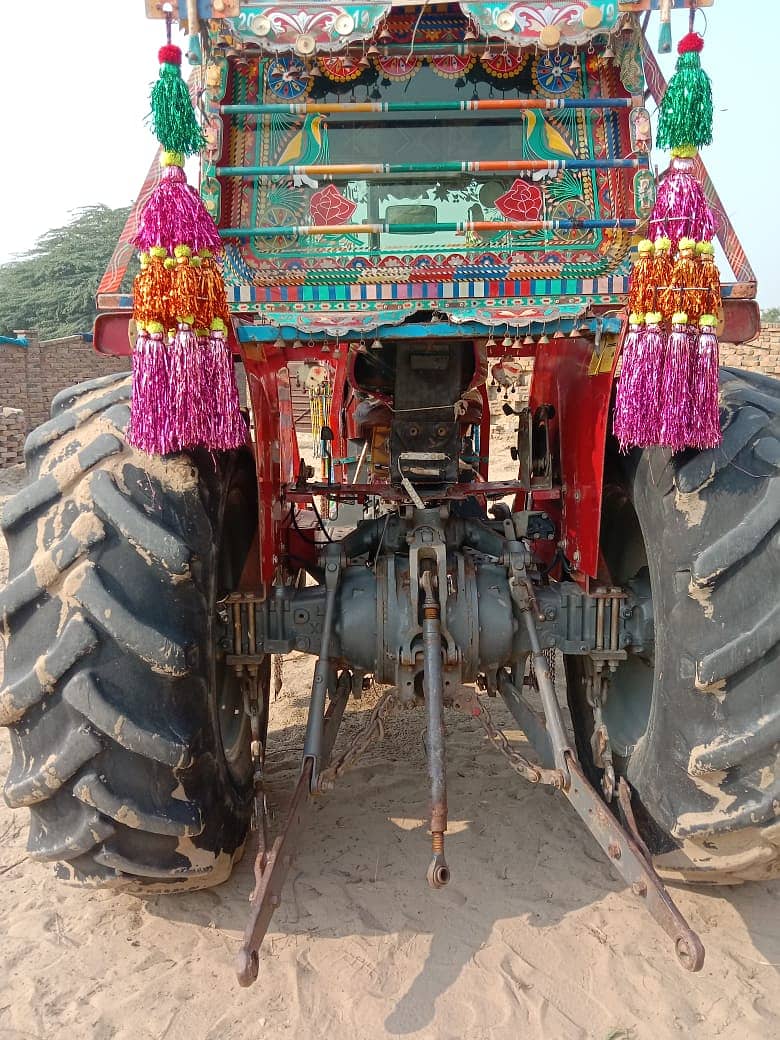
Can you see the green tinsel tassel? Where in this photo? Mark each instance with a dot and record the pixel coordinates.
(173, 117)
(686, 110)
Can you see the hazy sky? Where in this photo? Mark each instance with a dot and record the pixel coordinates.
(77, 80)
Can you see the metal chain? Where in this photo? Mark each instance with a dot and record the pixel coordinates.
(373, 729)
(533, 774)
(550, 654)
(500, 741)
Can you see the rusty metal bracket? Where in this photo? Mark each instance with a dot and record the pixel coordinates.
(624, 847)
(636, 870)
(271, 869)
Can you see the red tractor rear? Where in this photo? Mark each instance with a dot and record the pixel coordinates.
(406, 196)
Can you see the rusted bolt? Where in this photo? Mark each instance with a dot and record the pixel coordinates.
(639, 888)
(614, 850)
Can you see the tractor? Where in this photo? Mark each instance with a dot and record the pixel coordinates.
(407, 196)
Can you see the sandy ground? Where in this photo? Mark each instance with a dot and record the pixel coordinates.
(535, 936)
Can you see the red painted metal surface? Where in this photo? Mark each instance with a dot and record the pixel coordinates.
(264, 391)
(111, 333)
(578, 433)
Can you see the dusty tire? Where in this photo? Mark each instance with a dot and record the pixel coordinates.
(698, 738)
(111, 673)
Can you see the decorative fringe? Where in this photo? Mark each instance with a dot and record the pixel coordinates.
(705, 418)
(685, 117)
(684, 293)
(661, 273)
(172, 116)
(676, 410)
(709, 278)
(212, 291)
(174, 214)
(637, 415)
(227, 428)
(149, 427)
(185, 287)
(681, 209)
(641, 290)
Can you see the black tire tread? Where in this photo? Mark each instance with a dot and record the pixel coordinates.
(721, 514)
(106, 616)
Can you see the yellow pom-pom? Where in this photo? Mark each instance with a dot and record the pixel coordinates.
(663, 245)
(687, 245)
(654, 318)
(159, 252)
(645, 247)
(708, 321)
(169, 262)
(636, 319)
(172, 159)
(182, 252)
(218, 325)
(685, 151)
(154, 326)
(680, 318)
(705, 249)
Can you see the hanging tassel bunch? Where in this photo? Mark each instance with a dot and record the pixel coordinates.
(668, 392)
(686, 110)
(667, 395)
(184, 391)
(172, 116)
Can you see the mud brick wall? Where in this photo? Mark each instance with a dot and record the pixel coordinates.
(30, 376)
(12, 434)
(762, 355)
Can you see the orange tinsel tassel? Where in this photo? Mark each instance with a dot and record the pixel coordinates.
(685, 293)
(185, 285)
(641, 290)
(661, 272)
(709, 278)
(151, 289)
(212, 291)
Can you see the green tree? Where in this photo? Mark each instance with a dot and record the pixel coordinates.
(770, 315)
(52, 287)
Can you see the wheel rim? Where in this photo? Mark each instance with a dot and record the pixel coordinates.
(235, 540)
(628, 706)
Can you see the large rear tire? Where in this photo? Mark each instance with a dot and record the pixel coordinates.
(129, 741)
(694, 721)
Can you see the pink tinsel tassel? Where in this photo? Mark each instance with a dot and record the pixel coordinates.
(149, 426)
(676, 412)
(705, 421)
(681, 208)
(637, 411)
(227, 428)
(189, 405)
(174, 214)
